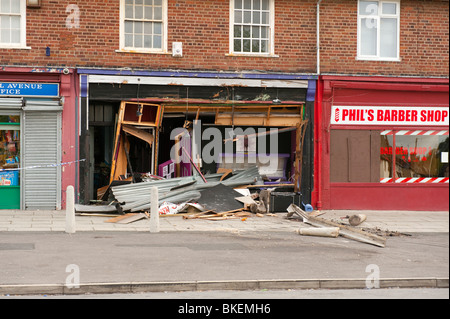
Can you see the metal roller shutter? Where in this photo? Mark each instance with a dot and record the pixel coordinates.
(11, 104)
(42, 140)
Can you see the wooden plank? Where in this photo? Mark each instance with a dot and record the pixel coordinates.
(131, 219)
(231, 211)
(225, 172)
(254, 120)
(143, 135)
(193, 216)
(119, 218)
(243, 214)
(117, 142)
(101, 191)
(210, 215)
(222, 218)
(127, 218)
(121, 162)
(98, 215)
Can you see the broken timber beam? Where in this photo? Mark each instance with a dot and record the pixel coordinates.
(344, 231)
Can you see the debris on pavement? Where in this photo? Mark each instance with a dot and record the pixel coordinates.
(356, 220)
(211, 215)
(128, 218)
(349, 232)
(219, 196)
(321, 232)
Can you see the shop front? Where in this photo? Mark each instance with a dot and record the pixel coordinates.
(174, 124)
(384, 144)
(31, 140)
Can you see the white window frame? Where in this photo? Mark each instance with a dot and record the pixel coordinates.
(271, 51)
(23, 29)
(123, 48)
(377, 18)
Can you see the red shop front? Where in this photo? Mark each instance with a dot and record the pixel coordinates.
(382, 143)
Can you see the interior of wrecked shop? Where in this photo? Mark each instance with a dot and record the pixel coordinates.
(131, 139)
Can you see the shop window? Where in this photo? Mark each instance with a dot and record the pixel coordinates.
(9, 149)
(364, 156)
(414, 156)
(386, 159)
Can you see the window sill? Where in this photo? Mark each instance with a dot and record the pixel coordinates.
(143, 52)
(2, 47)
(252, 55)
(378, 59)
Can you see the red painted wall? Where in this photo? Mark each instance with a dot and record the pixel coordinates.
(69, 90)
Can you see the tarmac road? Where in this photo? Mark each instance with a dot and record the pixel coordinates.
(213, 261)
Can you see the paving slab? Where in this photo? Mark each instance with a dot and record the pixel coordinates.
(393, 221)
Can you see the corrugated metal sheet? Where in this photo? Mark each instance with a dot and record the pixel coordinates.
(136, 197)
(41, 146)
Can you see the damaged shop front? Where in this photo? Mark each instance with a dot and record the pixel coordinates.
(139, 126)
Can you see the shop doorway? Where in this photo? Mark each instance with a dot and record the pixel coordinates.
(101, 127)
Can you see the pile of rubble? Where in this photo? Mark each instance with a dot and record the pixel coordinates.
(216, 194)
(215, 197)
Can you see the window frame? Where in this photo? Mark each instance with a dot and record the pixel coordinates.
(396, 151)
(164, 48)
(23, 28)
(271, 44)
(378, 18)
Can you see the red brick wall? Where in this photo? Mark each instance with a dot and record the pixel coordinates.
(202, 26)
(424, 46)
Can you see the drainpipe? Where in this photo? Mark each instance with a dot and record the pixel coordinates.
(319, 89)
(319, 146)
(318, 36)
